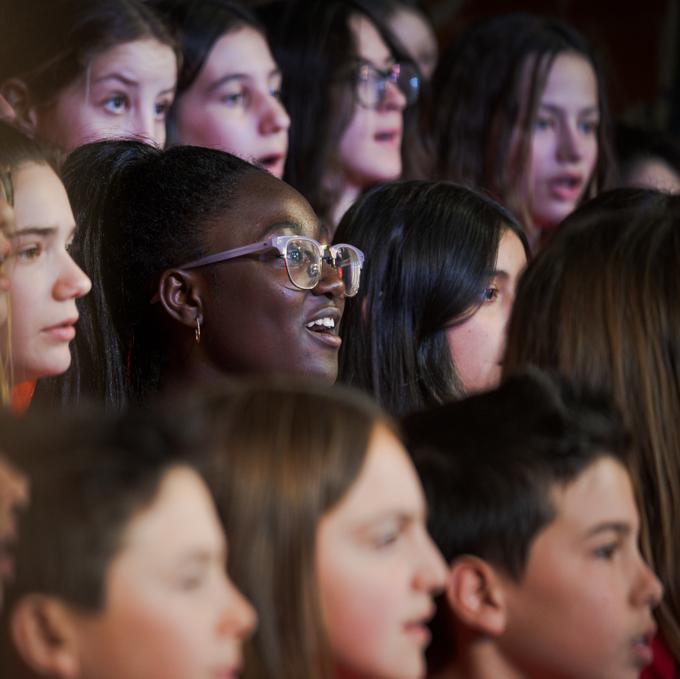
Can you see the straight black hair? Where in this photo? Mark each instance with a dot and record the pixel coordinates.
(139, 211)
(430, 249)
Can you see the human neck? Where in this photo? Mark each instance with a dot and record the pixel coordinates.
(348, 195)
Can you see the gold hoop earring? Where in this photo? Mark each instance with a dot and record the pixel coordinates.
(197, 332)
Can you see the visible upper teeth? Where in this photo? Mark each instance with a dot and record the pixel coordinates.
(323, 322)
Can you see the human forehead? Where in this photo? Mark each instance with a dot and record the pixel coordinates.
(511, 257)
(601, 494)
(369, 45)
(40, 198)
(140, 61)
(264, 207)
(571, 80)
(180, 520)
(387, 485)
(242, 51)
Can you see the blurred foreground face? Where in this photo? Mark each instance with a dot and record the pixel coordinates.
(378, 569)
(171, 612)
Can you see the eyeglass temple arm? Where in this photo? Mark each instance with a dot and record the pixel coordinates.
(228, 254)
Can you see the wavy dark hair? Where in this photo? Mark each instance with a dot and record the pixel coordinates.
(314, 46)
(140, 211)
(600, 304)
(429, 249)
(477, 102)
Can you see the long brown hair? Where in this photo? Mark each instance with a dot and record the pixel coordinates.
(601, 305)
(289, 454)
(478, 101)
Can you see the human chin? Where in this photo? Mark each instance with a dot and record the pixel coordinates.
(47, 362)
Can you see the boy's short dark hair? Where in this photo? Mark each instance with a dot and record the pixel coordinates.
(89, 474)
(489, 463)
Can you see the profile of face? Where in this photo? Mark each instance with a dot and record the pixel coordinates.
(171, 611)
(378, 569)
(44, 280)
(125, 92)
(234, 103)
(416, 36)
(564, 141)
(477, 344)
(583, 608)
(370, 146)
(254, 320)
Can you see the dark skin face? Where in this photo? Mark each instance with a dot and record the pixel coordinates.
(254, 321)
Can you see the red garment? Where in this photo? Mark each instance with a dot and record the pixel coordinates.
(22, 395)
(663, 665)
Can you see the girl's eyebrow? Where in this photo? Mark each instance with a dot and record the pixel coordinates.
(554, 108)
(43, 231)
(130, 82)
(240, 76)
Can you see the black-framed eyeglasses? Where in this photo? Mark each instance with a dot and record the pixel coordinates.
(371, 84)
(303, 257)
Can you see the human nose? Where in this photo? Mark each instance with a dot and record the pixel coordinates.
(239, 618)
(273, 116)
(146, 126)
(432, 570)
(569, 144)
(72, 281)
(394, 99)
(648, 590)
(330, 283)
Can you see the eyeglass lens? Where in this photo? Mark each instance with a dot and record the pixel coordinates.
(304, 259)
(373, 84)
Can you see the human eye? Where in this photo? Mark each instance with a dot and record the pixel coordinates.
(543, 122)
(607, 551)
(490, 294)
(116, 103)
(589, 126)
(236, 98)
(275, 88)
(387, 534)
(191, 580)
(29, 252)
(161, 109)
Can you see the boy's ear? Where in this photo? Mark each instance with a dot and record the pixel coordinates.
(181, 294)
(15, 92)
(475, 595)
(45, 637)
